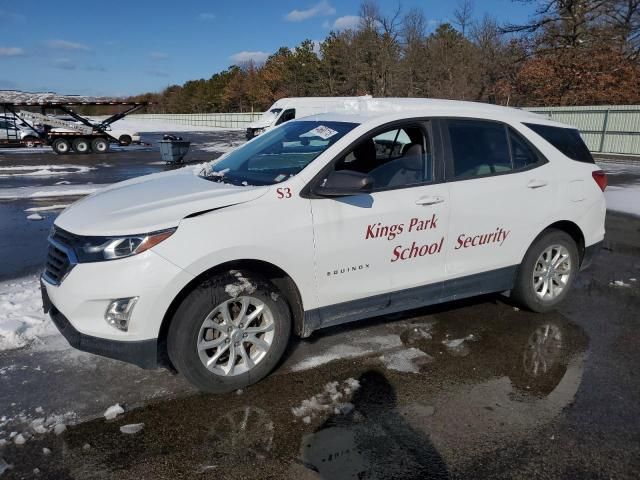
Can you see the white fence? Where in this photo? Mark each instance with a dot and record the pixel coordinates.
(605, 129)
(222, 120)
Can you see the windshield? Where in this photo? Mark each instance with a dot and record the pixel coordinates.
(270, 115)
(278, 154)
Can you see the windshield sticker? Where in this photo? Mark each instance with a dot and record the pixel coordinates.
(279, 178)
(320, 131)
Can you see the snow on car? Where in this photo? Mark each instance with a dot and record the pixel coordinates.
(320, 221)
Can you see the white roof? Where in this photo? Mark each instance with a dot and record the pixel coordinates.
(365, 109)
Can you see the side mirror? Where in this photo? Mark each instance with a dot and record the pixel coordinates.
(341, 183)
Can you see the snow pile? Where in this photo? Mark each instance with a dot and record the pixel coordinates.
(407, 360)
(4, 466)
(14, 96)
(113, 411)
(623, 198)
(50, 191)
(42, 170)
(242, 285)
(357, 348)
(333, 399)
(22, 320)
(32, 428)
(132, 428)
(47, 208)
(457, 342)
(619, 283)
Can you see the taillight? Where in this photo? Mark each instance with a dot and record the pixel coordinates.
(600, 178)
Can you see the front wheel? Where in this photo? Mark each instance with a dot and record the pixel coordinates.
(229, 332)
(547, 271)
(30, 141)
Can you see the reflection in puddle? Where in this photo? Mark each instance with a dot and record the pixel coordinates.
(421, 420)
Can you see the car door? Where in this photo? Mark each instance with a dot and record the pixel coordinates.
(370, 248)
(500, 192)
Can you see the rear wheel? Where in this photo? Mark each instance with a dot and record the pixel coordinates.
(125, 140)
(547, 271)
(229, 332)
(81, 145)
(61, 146)
(100, 145)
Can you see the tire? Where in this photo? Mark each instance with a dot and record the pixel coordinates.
(61, 146)
(125, 140)
(199, 322)
(541, 293)
(29, 141)
(82, 145)
(100, 145)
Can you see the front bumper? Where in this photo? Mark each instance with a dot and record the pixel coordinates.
(143, 353)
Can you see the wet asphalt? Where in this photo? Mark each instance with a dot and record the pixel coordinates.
(523, 396)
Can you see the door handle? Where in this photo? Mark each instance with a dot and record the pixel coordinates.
(429, 200)
(537, 183)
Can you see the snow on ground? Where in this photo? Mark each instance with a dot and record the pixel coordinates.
(334, 399)
(113, 411)
(22, 320)
(623, 198)
(357, 348)
(619, 167)
(132, 428)
(50, 191)
(407, 360)
(47, 208)
(221, 147)
(626, 197)
(42, 170)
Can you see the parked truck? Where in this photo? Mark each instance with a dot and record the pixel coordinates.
(82, 135)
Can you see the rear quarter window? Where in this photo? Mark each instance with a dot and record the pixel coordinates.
(567, 140)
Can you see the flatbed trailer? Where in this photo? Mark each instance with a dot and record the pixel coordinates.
(82, 137)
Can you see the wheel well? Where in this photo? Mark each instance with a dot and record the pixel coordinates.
(276, 275)
(573, 231)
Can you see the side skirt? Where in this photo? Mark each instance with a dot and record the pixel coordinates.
(455, 289)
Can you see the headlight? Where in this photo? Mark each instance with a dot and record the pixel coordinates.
(96, 249)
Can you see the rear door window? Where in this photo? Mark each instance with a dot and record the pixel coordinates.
(567, 140)
(522, 153)
(478, 148)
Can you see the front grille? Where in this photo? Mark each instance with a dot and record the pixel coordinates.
(60, 256)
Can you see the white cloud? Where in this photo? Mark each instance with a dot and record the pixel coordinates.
(348, 22)
(66, 45)
(206, 16)
(158, 55)
(245, 57)
(11, 51)
(323, 8)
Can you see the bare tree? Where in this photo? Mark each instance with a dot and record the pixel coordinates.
(463, 15)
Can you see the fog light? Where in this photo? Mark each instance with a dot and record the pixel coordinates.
(119, 312)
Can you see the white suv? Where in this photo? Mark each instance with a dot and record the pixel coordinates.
(324, 220)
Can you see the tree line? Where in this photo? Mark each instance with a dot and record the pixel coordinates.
(571, 52)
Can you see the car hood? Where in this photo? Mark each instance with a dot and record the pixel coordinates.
(150, 203)
(259, 124)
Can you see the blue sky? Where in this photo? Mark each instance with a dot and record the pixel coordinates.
(126, 47)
